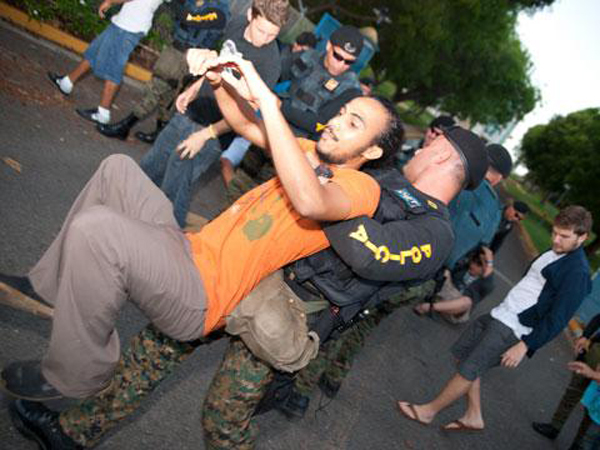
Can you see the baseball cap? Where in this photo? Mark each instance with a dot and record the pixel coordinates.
(472, 152)
(500, 159)
(521, 207)
(348, 38)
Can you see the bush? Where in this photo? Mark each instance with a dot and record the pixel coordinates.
(80, 18)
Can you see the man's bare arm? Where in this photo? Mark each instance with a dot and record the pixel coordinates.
(107, 4)
(310, 198)
(238, 113)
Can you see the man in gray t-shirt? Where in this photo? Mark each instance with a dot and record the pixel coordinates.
(175, 162)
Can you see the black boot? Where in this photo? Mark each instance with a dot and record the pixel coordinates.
(40, 424)
(328, 387)
(119, 129)
(294, 407)
(149, 138)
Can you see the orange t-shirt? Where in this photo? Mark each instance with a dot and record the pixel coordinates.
(260, 233)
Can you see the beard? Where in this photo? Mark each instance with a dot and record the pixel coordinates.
(330, 159)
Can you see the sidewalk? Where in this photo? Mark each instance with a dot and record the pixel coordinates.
(406, 358)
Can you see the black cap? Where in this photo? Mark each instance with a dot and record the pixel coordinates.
(442, 122)
(348, 39)
(307, 38)
(521, 207)
(472, 152)
(500, 159)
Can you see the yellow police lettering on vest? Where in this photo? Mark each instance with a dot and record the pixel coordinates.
(383, 254)
(360, 234)
(202, 18)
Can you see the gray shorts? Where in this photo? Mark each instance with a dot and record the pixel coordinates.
(481, 346)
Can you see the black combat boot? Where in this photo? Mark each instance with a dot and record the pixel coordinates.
(295, 406)
(328, 387)
(149, 138)
(119, 129)
(40, 424)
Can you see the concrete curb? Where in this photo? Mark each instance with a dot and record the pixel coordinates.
(61, 38)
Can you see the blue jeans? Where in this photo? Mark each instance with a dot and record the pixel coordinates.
(175, 176)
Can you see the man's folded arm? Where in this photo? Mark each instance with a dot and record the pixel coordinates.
(395, 251)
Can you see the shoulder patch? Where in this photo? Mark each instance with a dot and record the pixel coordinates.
(410, 200)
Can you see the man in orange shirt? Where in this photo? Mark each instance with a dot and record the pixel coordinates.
(120, 240)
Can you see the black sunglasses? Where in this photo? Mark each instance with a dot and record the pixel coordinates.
(340, 58)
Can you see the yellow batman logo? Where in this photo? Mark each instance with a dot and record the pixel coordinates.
(202, 18)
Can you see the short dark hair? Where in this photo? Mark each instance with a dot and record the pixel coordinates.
(307, 38)
(391, 138)
(275, 11)
(575, 218)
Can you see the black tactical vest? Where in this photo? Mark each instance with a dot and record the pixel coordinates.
(324, 275)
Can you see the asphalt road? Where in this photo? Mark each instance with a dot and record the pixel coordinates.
(406, 358)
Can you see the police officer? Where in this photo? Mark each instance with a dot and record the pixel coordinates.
(198, 24)
(322, 80)
(475, 217)
(410, 231)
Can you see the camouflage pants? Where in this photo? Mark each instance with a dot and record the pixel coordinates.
(335, 359)
(160, 92)
(150, 358)
(234, 393)
(242, 379)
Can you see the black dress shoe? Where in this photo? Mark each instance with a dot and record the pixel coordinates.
(295, 407)
(329, 388)
(38, 423)
(88, 114)
(119, 130)
(24, 379)
(55, 79)
(546, 429)
(149, 138)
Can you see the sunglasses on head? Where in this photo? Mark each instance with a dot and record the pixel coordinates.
(340, 58)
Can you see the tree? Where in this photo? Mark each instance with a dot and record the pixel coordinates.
(461, 55)
(564, 156)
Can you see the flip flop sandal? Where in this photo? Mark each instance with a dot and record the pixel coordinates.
(415, 415)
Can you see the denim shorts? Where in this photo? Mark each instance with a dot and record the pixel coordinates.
(481, 346)
(109, 52)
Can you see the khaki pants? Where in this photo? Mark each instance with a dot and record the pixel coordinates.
(119, 241)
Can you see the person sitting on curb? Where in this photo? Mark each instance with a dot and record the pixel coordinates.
(463, 290)
(534, 311)
(108, 53)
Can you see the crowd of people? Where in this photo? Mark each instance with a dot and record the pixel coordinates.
(324, 237)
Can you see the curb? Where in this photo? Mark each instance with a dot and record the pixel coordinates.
(61, 38)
